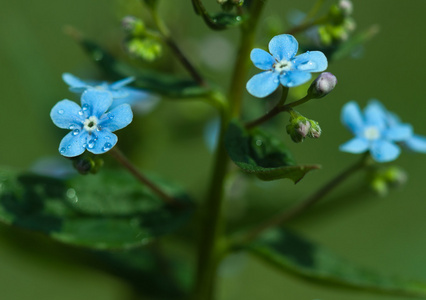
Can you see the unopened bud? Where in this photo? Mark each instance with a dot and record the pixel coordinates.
(395, 176)
(298, 130)
(315, 130)
(322, 85)
(301, 127)
(146, 49)
(346, 7)
(133, 25)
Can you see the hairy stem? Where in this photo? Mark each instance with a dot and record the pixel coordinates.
(162, 28)
(125, 162)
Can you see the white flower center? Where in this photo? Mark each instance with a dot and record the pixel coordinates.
(91, 124)
(371, 133)
(282, 66)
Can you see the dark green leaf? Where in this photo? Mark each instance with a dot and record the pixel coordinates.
(107, 210)
(262, 154)
(295, 254)
(161, 83)
(149, 271)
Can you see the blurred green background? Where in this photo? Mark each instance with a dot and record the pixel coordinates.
(386, 234)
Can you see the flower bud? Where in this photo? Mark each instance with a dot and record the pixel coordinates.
(395, 176)
(346, 7)
(146, 48)
(322, 85)
(298, 130)
(314, 130)
(133, 25)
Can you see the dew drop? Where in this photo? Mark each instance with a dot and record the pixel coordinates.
(62, 150)
(85, 107)
(61, 111)
(276, 80)
(111, 117)
(259, 142)
(107, 138)
(91, 144)
(80, 112)
(106, 147)
(75, 131)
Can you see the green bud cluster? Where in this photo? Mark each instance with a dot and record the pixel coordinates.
(139, 42)
(381, 180)
(301, 127)
(340, 24)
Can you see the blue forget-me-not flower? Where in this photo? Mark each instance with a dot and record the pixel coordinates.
(141, 101)
(283, 66)
(413, 142)
(373, 132)
(91, 125)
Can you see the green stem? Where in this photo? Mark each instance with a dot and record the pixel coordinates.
(162, 28)
(242, 63)
(124, 161)
(308, 202)
(280, 107)
(212, 246)
(270, 114)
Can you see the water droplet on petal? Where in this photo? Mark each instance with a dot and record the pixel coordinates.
(276, 80)
(107, 138)
(75, 131)
(111, 117)
(85, 107)
(61, 111)
(80, 112)
(91, 144)
(106, 147)
(62, 150)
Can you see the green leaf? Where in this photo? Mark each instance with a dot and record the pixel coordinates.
(150, 272)
(291, 252)
(262, 154)
(103, 211)
(167, 85)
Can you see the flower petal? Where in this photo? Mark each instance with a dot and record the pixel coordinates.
(294, 78)
(351, 117)
(67, 114)
(95, 102)
(121, 83)
(102, 142)
(73, 81)
(73, 144)
(262, 59)
(311, 61)
(399, 133)
(283, 46)
(263, 84)
(375, 114)
(416, 143)
(118, 118)
(355, 145)
(140, 101)
(384, 151)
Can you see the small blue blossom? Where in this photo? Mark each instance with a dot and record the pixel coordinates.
(283, 66)
(91, 124)
(141, 101)
(372, 131)
(413, 142)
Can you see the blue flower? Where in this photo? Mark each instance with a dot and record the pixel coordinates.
(372, 131)
(283, 66)
(91, 125)
(141, 101)
(413, 142)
